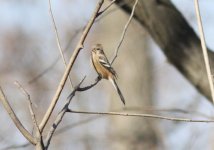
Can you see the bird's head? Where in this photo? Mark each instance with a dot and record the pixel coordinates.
(97, 48)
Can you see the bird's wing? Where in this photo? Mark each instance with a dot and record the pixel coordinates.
(105, 63)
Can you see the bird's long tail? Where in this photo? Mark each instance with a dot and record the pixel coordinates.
(113, 81)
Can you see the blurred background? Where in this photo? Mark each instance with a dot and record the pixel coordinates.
(149, 83)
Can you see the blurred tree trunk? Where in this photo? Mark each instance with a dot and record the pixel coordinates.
(135, 133)
(175, 37)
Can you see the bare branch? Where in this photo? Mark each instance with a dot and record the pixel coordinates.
(111, 11)
(59, 131)
(64, 110)
(82, 122)
(69, 66)
(204, 49)
(142, 115)
(124, 32)
(168, 110)
(16, 121)
(89, 86)
(37, 77)
(107, 7)
(33, 116)
(61, 115)
(57, 39)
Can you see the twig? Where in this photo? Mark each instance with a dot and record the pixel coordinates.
(89, 86)
(204, 49)
(65, 108)
(69, 66)
(141, 115)
(16, 121)
(124, 32)
(107, 7)
(60, 131)
(82, 122)
(168, 110)
(33, 116)
(111, 11)
(61, 115)
(37, 77)
(57, 40)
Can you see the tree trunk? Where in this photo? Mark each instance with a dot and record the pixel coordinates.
(175, 37)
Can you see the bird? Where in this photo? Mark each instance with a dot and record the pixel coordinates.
(104, 68)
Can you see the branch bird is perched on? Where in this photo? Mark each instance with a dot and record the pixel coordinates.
(103, 67)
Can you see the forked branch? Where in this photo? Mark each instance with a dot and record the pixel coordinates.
(65, 109)
(124, 32)
(69, 66)
(15, 119)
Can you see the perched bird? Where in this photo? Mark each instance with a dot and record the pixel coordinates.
(103, 67)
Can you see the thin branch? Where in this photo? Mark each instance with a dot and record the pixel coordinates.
(142, 115)
(204, 49)
(57, 40)
(15, 119)
(69, 66)
(65, 108)
(111, 11)
(168, 110)
(33, 116)
(124, 32)
(89, 86)
(37, 77)
(106, 8)
(61, 115)
(60, 131)
(82, 122)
